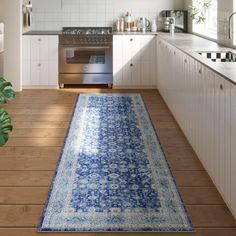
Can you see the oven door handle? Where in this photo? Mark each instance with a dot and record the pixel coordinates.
(86, 48)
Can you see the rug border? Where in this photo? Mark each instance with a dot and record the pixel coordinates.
(41, 230)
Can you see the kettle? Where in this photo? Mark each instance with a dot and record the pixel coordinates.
(143, 24)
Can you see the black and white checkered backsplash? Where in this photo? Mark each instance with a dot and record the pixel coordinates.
(219, 56)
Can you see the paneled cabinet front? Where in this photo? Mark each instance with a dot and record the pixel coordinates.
(134, 60)
(40, 60)
(204, 104)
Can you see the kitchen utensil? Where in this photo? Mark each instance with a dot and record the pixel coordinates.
(128, 22)
(143, 24)
(120, 24)
(154, 25)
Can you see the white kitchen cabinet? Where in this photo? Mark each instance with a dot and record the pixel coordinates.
(204, 105)
(134, 61)
(40, 60)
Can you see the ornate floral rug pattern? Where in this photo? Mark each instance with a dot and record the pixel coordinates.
(112, 174)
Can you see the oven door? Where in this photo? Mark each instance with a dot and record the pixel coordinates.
(87, 59)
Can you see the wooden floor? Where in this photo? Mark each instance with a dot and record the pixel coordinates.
(28, 162)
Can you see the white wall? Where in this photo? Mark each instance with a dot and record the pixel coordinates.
(95, 12)
(225, 9)
(1, 10)
(13, 33)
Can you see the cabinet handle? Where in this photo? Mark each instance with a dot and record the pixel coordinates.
(39, 39)
(185, 60)
(221, 87)
(39, 65)
(174, 53)
(131, 40)
(131, 64)
(200, 71)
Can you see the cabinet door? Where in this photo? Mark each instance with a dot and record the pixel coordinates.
(227, 141)
(147, 44)
(53, 43)
(35, 48)
(136, 73)
(148, 60)
(127, 48)
(117, 60)
(34, 73)
(44, 48)
(127, 74)
(136, 47)
(39, 48)
(44, 74)
(233, 149)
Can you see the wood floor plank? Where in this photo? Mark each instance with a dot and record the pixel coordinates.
(26, 178)
(29, 152)
(44, 162)
(156, 118)
(40, 124)
(193, 178)
(182, 158)
(37, 118)
(38, 142)
(39, 106)
(39, 132)
(165, 125)
(23, 195)
(172, 138)
(18, 216)
(211, 216)
(201, 196)
(47, 111)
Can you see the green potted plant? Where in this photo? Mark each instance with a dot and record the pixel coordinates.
(198, 10)
(6, 94)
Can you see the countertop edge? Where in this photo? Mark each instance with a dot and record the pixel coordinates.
(42, 32)
(52, 32)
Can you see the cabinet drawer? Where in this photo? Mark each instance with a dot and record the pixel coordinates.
(39, 48)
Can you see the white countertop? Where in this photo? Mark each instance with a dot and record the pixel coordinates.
(192, 44)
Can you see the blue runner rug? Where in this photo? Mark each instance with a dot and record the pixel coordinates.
(112, 174)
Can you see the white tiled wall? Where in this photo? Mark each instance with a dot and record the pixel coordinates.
(98, 12)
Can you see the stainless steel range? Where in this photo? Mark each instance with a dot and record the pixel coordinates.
(85, 56)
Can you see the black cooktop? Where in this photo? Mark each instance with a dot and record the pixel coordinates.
(87, 30)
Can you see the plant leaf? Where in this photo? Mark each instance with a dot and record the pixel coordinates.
(198, 11)
(5, 126)
(6, 91)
